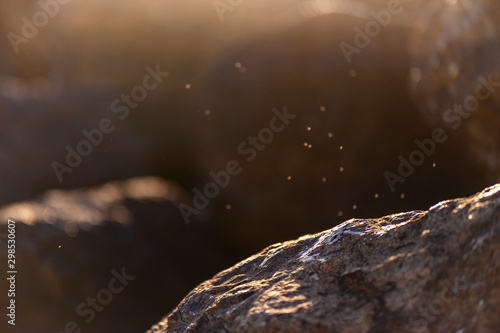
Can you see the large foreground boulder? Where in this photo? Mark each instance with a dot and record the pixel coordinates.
(420, 271)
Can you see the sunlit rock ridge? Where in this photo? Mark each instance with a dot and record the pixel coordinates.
(419, 271)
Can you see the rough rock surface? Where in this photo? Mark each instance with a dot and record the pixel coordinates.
(69, 242)
(420, 271)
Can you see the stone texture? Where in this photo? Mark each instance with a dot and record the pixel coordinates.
(68, 243)
(289, 58)
(419, 271)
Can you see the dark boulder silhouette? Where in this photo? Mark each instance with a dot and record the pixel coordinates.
(71, 244)
(358, 136)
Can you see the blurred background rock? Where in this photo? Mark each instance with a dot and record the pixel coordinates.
(226, 75)
(68, 243)
(449, 62)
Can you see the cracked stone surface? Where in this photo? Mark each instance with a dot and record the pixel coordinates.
(419, 271)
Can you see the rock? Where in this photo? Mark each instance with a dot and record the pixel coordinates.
(114, 146)
(291, 57)
(455, 75)
(419, 271)
(158, 136)
(70, 244)
(57, 121)
(355, 118)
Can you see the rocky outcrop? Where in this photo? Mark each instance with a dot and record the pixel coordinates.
(71, 244)
(354, 118)
(420, 271)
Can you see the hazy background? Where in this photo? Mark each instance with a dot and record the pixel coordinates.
(227, 73)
